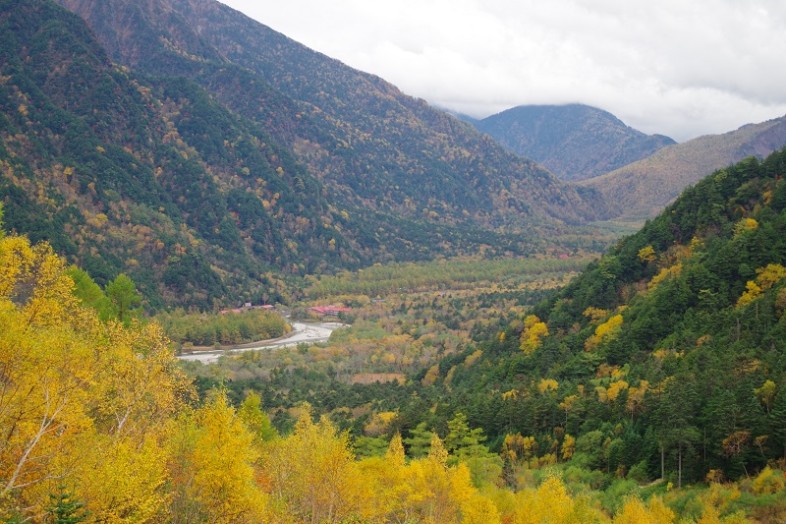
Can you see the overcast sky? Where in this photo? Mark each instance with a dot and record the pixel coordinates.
(675, 67)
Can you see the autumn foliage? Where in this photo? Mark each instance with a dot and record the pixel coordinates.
(97, 417)
(102, 410)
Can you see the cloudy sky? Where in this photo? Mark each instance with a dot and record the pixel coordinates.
(676, 67)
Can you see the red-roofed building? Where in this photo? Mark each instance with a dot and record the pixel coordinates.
(330, 310)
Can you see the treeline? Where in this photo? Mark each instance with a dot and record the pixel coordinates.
(204, 329)
(442, 274)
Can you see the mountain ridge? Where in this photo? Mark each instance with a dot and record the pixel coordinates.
(643, 188)
(365, 115)
(573, 141)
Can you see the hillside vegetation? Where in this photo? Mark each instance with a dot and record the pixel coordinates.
(642, 189)
(149, 178)
(664, 358)
(209, 157)
(99, 425)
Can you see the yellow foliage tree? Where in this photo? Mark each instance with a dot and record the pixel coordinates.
(766, 278)
(663, 274)
(431, 375)
(604, 332)
(388, 489)
(311, 471)
(646, 254)
(595, 314)
(80, 397)
(615, 388)
(533, 333)
(568, 447)
(635, 402)
(567, 404)
(519, 448)
(768, 481)
(634, 511)
(547, 384)
(751, 293)
(551, 503)
(124, 481)
(709, 515)
(222, 458)
(770, 275)
(745, 225)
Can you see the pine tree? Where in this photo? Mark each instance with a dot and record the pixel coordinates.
(64, 509)
(777, 418)
(419, 441)
(124, 297)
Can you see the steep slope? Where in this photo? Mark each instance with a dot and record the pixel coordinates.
(205, 182)
(154, 179)
(643, 188)
(370, 144)
(665, 358)
(573, 141)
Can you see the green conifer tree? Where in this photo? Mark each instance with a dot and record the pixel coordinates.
(64, 509)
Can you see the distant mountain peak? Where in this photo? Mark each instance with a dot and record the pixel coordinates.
(574, 141)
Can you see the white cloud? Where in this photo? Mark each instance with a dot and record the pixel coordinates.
(672, 67)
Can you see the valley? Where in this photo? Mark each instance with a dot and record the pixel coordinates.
(242, 282)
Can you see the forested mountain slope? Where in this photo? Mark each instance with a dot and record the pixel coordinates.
(664, 358)
(202, 179)
(644, 188)
(573, 141)
(126, 175)
(370, 144)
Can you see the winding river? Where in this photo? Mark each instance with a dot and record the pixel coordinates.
(301, 333)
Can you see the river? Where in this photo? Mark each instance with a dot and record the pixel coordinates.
(302, 332)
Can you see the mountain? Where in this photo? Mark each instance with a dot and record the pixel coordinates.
(644, 188)
(154, 179)
(573, 141)
(358, 134)
(208, 157)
